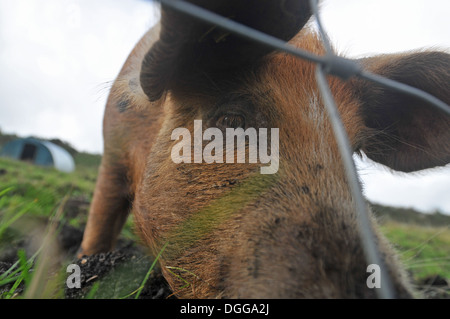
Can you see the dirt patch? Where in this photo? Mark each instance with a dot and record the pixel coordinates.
(76, 206)
(434, 287)
(116, 274)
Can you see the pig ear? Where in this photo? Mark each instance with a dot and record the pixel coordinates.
(190, 54)
(405, 133)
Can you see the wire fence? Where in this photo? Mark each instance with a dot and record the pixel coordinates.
(343, 68)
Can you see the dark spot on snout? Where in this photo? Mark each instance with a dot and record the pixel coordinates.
(256, 266)
(315, 168)
(226, 183)
(122, 104)
(305, 189)
(344, 226)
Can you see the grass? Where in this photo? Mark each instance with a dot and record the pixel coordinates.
(17, 276)
(423, 240)
(29, 194)
(45, 187)
(424, 250)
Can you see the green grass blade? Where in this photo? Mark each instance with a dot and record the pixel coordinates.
(149, 271)
(6, 190)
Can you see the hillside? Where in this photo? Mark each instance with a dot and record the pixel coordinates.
(410, 216)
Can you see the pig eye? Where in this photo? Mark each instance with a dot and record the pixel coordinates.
(230, 121)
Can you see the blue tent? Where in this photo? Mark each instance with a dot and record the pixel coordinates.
(40, 153)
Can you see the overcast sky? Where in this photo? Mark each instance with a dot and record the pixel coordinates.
(59, 57)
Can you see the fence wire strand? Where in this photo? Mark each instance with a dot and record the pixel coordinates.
(365, 230)
(337, 66)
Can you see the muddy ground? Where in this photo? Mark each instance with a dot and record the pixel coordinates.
(119, 273)
(115, 274)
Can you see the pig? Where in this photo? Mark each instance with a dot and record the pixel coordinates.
(227, 229)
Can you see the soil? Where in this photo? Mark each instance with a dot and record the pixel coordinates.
(434, 287)
(117, 273)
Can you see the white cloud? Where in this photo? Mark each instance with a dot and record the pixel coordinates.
(361, 27)
(56, 58)
(426, 190)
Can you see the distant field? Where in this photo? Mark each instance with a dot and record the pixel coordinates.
(29, 193)
(425, 250)
(423, 240)
(42, 186)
